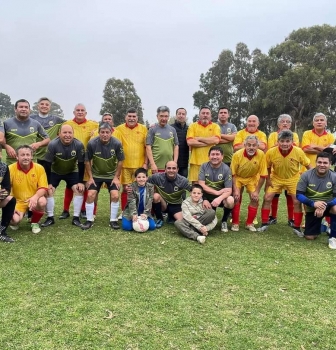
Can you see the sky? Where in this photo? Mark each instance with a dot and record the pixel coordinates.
(67, 49)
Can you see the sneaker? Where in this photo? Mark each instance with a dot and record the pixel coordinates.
(201, 239)
(251, 228)
(263, 228)
(76, 222)
(291, 223)
(14, 227)
(5, 238)
(88, 224)
(35, 228)
(255, 221)
(83, 214)
(298, 232)
(65, 214)
(272, 220)
(120, 216)
(159, 223)
(49, 221)
(235, 227)
(114, 225)
(224, 227)
(332, 243)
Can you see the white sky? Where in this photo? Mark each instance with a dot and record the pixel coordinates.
(67, 49)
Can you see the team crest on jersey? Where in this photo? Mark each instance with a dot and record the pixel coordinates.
(176, 188)
(73, 153)
(33, 175)
(228, 130)
(51, 123)
(112, 152)
(31, 129)
(220, 177)
(170, 134)
(329, 185)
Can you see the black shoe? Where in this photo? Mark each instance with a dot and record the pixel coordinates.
(76, 222)
(272, 220)
(64, 215)
(5, 238)
(49, 221)
(291, 223)
(83, 214)
(114, 225)
(87, 225)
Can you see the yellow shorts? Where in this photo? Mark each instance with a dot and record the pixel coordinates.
(86, 176)
(250, 183)
(194, 172)
(280, 185)
(21, 206)
(127, 175)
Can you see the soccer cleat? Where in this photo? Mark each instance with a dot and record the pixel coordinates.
(235, 227)
(114, 225)
(35, 228)
(76, 222)
(251, 228)
(224, 227)
(332, 243)
(14, 227)
(88, 224)
(49, 221)
(64, 215)
(159, 223)
(272, 220)
(263, 228)
(201, 239)
(298, 232)
(6, 239)
(291, 223)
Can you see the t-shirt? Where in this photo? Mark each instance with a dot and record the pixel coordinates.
(242, 134)
(273, 139)
(26, 183)
(245, 167)
(83, 131)
(216, 178)
(162, 140)
(317, 188)
(199, 155)
(134, 144)
(105, 157)
(64, 158)
(51, 124)
(19, 133)
(227, 129)
(286, 166)
(170, 190)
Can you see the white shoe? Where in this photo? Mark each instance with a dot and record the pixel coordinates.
(251, 228)
(263, 228)
(120, 216)
(298, 233)
(14, 227)
(332, 243)
(201, 239)
(35, 228)
(224, 227)
(235, 227)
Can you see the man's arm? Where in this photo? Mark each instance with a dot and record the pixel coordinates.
(227, 138)
(210, 190)
(116, 179)
(210, 140)
(150, 158)
(176, 153)
(193, 142)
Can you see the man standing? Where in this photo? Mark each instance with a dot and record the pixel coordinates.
(51, 124)
(170, 188)
(133, 139)
(201, 136)
(29, 187)
(65, 161)
(316, 189)
(162, 142)
(21, 129)
(252, 124)
(216, 180)
(249, 170)
(283, 164)
(181, 128)
(103, 162)
(316, 140)
(228, 133)
(83, 131)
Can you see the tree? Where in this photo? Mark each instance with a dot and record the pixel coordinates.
(6, 107)
(120, 95)
(55, 109)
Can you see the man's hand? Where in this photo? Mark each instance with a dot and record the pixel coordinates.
(236, 194)
(255, 196)
(319, 213)
(206, 204)
(10, 151)
(32, 202)
(51, 190)
(116, 181)
(320, 205)
(154, 168)
(90, 182)
(35, 145)
(80, 187)
(268, 183)
(204, 231)
(216, 202)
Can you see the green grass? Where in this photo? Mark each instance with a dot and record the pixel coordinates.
(239, 291)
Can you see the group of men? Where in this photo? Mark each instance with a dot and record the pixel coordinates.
(224, 161)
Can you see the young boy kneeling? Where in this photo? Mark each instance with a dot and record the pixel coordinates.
(197, 221)
(139, 201)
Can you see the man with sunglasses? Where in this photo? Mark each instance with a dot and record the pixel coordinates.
(162, 143)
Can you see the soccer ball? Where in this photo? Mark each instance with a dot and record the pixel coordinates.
(141, 225)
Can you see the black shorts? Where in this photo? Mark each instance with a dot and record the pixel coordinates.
(313, 223)
(70, 179)
(100, 182)
(172, 209)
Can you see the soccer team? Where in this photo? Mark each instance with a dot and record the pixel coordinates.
(214, 161)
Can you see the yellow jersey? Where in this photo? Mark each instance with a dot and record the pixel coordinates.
(83, 131)
(273, 139)
(242, 134)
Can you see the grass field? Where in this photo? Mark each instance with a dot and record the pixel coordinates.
(102, 289)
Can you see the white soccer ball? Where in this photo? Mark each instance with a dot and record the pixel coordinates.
(141, 225)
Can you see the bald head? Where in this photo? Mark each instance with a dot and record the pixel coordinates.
(252, 123)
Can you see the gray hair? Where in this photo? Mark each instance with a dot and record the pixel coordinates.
(284, 116)
(319, 114)
(104, 125)
(80, 104)
(251, 137)
(285, 134)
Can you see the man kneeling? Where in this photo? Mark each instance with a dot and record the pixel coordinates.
(197, 221)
